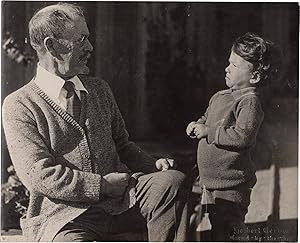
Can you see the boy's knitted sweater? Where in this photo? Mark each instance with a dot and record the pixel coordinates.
(61, 161)
(234, 119)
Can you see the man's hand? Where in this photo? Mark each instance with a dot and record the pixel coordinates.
(200, 130)
(165, 164)
(114, 184)
(190, 129)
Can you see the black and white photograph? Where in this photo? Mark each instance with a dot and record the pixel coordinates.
(155, 121)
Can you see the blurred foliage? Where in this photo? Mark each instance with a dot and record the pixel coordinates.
(15, 199)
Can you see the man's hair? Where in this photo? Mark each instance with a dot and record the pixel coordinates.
(264, 55)
(52, 21)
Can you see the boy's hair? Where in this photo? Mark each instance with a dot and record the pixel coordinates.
(51, 21)
(264, 55)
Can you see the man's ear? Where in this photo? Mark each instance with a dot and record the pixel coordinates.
(255, 78)
(49, 45)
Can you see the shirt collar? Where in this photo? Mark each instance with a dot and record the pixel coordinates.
(78, 84)
(239, 93)
(52, 84)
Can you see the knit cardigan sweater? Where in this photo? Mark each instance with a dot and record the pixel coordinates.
(234, 119)
(62, 161)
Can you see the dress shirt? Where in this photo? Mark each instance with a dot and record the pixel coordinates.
(52, 85)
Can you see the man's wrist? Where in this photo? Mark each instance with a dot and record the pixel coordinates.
(103, 186)
(206, 130)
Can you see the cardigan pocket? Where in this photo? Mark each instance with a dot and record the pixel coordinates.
(32, 228)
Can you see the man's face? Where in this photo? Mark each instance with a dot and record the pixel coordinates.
(74, 49)
(238, 72)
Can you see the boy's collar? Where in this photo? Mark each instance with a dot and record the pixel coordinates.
(239, 93)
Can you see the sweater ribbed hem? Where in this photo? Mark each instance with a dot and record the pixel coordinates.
(220, 184)
(226, 183)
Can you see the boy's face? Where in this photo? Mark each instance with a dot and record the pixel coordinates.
(238, 72)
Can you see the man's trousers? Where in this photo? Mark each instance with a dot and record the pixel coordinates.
(161, 210)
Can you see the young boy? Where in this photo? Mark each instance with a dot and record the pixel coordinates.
(227, 133)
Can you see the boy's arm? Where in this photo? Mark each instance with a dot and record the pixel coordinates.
(249, 118)
(202, 119)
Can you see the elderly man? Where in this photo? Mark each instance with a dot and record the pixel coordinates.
(70, 148)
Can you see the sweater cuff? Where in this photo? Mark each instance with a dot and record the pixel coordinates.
(103, 188)
(213, 135)
(93, 186)
(149, 167)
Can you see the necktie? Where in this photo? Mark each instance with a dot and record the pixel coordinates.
(73, 102)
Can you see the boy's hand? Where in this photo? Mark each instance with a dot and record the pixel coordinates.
(165, 164)
(190, 129)
(201, 130)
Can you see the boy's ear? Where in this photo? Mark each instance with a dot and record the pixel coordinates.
(255, 78)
